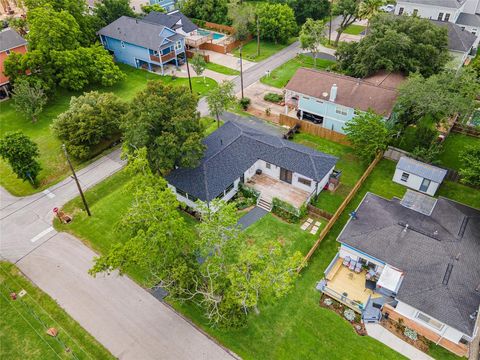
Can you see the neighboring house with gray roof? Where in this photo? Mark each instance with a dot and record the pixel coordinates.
(143, 44)
(10, 42)
(419, 176)
(424, 268)
(238, 154)
(174, 20)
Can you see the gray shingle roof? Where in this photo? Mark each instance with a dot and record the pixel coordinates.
(419, 168)
(234, 148)
(454, 4)
(135, 31)
(468, 19)
(458, 39)
(10, 39)
(171, 20)
(450, 235)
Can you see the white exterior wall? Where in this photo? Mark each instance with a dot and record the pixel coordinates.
(446, 331)
(347, 251)
(426, 11)
(414, 182)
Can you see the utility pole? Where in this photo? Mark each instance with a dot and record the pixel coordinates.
(76, 180)
(188, 71)
(241, 70)
(330, 26)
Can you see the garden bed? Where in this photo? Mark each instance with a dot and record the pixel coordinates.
(345, 312)
(398, 329)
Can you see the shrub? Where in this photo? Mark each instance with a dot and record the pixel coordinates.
(411, 334)
(287, 211)
(349, 314)
(244, 103)
(268, 111)
(248, 192)
(272, 97)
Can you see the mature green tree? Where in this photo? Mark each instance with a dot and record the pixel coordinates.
(29, 99)
(147, 9)
(90, 124)
(348, 10)
(276, 22)
(370, 8)
(429, 153)
(21, 153)
(52, 30)
(160, 243)
(396, 43)
(438, 96)
(475, 64)
(470, 170)
(215, 11)
(108, 11)
(83, 66)
(368, 134)
(220, 98)
(310, 36)
(198, 64)
(19, 24)
(243, 20)
(309, 9)
(164, 119)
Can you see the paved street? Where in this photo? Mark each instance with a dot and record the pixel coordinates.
(125, 318)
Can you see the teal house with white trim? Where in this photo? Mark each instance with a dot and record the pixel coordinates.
(143, 44)
(331, 100)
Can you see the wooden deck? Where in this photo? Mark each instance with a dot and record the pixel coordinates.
(342, 280)
(270, 188)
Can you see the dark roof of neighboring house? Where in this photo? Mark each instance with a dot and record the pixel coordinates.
(355, 93)
(234, 148)
(10, 39)
(458, 39)
(468, 19)
(454, 4)
(419, 168)
(425, 252)
(135, 31)
(171, 20)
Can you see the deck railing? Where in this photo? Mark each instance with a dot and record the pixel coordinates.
(163, 58)
(356, 306)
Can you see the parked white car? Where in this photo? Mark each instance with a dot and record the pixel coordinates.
(388, 8)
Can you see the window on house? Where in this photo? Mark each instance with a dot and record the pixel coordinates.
(474, 31)
(415, 12)
(400, 11)
(268, 165)
(193, 198)
(428, 320)
(425, 185)
(178, 45)
(305, 181)
(229, 187)
(440, 16)
(306, 98)
(181, 193)
(341, 110)
(7, 52)
(122, 44)
(447, 17)
(405, 176)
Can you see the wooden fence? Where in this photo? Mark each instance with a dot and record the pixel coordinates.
(342, 207)
(314, 129)
(190, 54)
(224, 48)
(318, 212)
(220, 27)
(466, 129)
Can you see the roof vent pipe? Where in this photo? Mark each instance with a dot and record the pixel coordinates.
(333, 93)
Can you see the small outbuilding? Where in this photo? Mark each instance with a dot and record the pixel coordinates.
(419, 176)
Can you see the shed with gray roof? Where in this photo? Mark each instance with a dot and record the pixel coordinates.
(419, 176)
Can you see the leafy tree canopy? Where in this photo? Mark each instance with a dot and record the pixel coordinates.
(368, 134)
(29, 99)
(470, 170)
(220, 98)
(215, 11)
(154, 7)
(277, 22)
(92, 120)
(164, 119)
(310, 36)
(309, 9)
(21, 153)
(396, 43)
(108, 11)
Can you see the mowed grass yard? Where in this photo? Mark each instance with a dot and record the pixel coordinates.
(267, 49)
(355, 29)
(454, 144)
(24, 337)
(282, 75)
(54, 167)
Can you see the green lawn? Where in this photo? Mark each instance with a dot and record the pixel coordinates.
(21, 332)
(52, 161)
(349, 164)
(267, 49)
(354, 29)
(454, 144)
(282, 75)
(222, 69)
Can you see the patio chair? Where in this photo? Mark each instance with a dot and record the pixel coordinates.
(352, 264)
(358, 267)
(346, 260)
(368, 276)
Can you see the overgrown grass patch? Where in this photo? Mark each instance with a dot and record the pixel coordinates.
(267, 49)
(222, 69)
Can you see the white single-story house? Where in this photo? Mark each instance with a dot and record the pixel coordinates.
(414, 259)
(237, 153)
(418, 176)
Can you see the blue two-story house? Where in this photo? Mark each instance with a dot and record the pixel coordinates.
(331, 100)
(140, 43)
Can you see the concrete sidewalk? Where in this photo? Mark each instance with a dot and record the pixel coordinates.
(381, 334)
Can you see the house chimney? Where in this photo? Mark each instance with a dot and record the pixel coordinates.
(333, 93)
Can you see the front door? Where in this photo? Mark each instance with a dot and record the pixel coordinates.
(425, 185)
(286, 175)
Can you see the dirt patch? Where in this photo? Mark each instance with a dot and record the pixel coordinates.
(273, 118)
(339, 308)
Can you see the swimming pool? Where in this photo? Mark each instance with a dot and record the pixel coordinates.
(216, 36)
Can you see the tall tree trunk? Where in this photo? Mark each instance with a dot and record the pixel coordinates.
(258, 37)
(218, 119)
(337, 39)
(315, 60)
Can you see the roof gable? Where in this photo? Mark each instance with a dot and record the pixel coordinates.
(419, 168)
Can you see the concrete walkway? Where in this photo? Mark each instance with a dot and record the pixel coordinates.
(125, 318)
(381, 334)
(252, 217)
